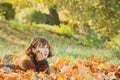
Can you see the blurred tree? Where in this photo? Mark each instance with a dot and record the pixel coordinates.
(101, 15)
(38, 17)
(107, 16)
(7, 10)
(54, 15)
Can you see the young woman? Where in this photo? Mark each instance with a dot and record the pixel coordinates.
(36, 57)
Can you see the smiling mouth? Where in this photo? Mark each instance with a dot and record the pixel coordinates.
(45, 54)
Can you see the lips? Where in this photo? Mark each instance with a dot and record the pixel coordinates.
(45, 55)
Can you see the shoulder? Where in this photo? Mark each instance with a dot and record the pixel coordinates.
(27, 64)
(23, 62)
(16, 60)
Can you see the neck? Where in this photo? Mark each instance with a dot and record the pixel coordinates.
(41, 61)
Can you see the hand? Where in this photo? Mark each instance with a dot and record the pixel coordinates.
(1, 65)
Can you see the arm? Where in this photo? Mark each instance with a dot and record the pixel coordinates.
(28, 65)
(1, 65)
(14, 67)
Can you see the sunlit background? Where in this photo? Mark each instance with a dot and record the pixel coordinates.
(80, 29)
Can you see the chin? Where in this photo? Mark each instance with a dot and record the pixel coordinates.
(39, 60)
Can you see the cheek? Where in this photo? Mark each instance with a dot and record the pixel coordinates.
(45, 52)
(34, 50)
(39, 56)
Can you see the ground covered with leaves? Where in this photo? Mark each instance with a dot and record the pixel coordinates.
(66, 69)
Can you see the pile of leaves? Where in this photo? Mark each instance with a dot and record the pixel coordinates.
(66, 69)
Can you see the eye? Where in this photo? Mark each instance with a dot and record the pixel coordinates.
(38, 52)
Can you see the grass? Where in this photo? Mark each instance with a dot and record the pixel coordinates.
(16, 37)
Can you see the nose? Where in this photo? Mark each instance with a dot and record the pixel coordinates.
(46, 50)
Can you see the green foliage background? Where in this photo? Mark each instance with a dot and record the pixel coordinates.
(89, 23)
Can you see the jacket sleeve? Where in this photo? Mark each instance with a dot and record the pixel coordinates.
(28, 65)
(24, 65)
(12, 66)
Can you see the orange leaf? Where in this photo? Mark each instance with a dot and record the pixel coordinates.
(75, 69)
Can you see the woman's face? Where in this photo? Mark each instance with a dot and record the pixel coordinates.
(41, 52)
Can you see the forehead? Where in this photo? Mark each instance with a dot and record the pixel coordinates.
(43, 45)
(40, 42)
